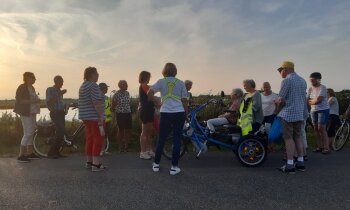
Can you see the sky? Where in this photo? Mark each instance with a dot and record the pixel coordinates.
(216, 44)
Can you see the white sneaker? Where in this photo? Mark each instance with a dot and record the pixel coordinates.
(151, 153)
(174, 170)
(155, 167)
(145, 156)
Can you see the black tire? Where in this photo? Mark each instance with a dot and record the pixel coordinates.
(341, 137)
(168, 148)
(42, 144)
(251, 152)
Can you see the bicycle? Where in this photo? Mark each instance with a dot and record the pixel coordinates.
(250, 150)
(44, 137)
(342, 135)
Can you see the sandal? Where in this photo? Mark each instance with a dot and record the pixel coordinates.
(326, 151)
(317, 150)
(88, 165)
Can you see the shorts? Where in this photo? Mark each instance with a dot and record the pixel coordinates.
(320, 117)
(291, 130)
(147, 115)
(333, 125)
(124, 120)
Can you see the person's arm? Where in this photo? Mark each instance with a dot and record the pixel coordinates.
(280, 102)
(257, 104)
(319, 98)
(96, 96)
(114, 103)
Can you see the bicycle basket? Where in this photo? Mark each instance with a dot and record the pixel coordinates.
(46, 129)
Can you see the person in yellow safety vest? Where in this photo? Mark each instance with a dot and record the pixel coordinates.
(251, 108)
(246, 116)
(104, 89)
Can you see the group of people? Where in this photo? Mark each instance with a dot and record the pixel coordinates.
(168, 114)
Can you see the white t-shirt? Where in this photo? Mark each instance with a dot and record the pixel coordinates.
(268, 103)
(315, 92)
(171, 105)
(333, 106)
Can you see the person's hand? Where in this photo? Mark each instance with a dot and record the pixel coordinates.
(312, 102)
(63, 91)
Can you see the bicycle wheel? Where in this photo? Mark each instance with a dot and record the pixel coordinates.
(168, 148)
(42, 144)
(341, 137)
(251, 152)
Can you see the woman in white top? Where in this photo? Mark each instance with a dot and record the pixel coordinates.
(318, 101)
(172, 114)
(268, 100)
(334, 120)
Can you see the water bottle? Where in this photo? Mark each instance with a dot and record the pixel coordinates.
(102, 130)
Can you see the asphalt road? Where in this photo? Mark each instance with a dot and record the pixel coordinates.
(216, 181)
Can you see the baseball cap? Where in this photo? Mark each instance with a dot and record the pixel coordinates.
(103, 85)
(286, 64)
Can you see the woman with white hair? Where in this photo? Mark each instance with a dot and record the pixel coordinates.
(121, 106)
(231, 116)
(188, 85)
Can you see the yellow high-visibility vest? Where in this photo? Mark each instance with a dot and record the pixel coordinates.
(108, 111)
(246, 119)
(171, 86)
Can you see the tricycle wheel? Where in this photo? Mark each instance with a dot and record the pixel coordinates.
(251, 152)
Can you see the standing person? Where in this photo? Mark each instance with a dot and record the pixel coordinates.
(291, 102)
(121, 106)
(91, 112)
(108, 113)
(172, 114)
(188, 84)
(334, 120)
(251, 108)
(147, 116)
(268, 100)
(318, 101)
(27, 106)
(54, 102)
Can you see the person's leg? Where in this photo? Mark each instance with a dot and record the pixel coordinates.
(26, 124)
(164, 129)
(331, 127)
(216, 122)
(97, 141)
(289, 142)
(314, 117)
(88, 140)
(59, 123)
(127, 136)
(178, 120)
(32, 127)
(303, 136)
(323, 120)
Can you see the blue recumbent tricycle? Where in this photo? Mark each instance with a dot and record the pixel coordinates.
(250, 149)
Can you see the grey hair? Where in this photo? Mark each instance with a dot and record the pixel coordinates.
(249, 82)
(237, 91)
(188, 82)
(121, 81)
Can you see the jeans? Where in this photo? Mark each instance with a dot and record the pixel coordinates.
(57, 117)
(170, 122)
(29, 125)
(216, 122)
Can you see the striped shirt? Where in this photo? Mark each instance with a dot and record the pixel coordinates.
(293, 91)
(89, 92)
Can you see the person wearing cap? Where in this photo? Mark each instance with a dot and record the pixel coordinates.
(188, 84)
(121, 107)
(292, 105)
(108, 116)
(54, 102)
(231, 115)
(318, 100)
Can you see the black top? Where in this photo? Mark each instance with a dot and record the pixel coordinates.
(144, 103)
(22, 93)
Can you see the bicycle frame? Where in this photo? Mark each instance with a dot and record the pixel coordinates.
(200, 133)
